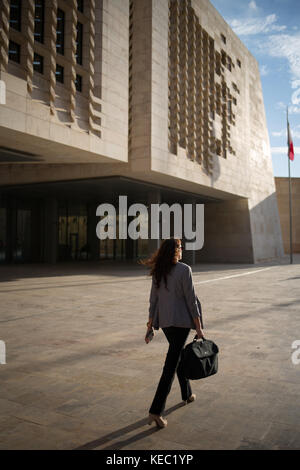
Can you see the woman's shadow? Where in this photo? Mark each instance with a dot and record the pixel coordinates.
(121, 432)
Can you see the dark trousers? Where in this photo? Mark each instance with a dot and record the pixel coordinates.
(176, 338)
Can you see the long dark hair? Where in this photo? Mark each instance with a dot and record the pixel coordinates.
(163, 260)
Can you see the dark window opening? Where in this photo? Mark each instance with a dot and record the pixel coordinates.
(218, 63)
(39, 16)
(79, 40)
(78, 82)
(59, 73)
(38, 63)
(14, 51)
(80, 5)
(15, 14)
(223, 58)
(60, 32)
(229, 63)
(229, 109)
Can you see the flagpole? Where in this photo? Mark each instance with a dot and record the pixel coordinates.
(290, 198)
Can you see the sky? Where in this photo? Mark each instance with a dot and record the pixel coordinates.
(270, 29)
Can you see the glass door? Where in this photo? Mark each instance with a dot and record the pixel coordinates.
(22, 248)
(72, 234)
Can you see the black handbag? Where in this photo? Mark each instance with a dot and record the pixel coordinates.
(200, 359)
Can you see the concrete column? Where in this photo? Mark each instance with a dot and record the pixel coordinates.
(129, 245)
(51, 231)
(11, 229)
(154, 197)
(35, 232)
(92, 239)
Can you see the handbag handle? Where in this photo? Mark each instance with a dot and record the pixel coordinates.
(196, 337)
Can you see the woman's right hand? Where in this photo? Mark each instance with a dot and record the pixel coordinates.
(200, 333)
(198, 328)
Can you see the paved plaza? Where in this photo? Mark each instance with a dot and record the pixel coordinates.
(78, 374)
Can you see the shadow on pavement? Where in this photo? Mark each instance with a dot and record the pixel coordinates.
(121, 432)
(116, 269)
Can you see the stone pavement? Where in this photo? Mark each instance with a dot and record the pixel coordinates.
(78, 373)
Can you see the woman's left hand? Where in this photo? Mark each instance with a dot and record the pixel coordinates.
(147, 337)
(149, 327)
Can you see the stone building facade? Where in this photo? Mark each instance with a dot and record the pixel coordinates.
(154, 99)
(283, 198)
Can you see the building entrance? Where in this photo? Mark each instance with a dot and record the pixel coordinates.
(57, 222)
(72, 232)
(22, 248)
(20, 231)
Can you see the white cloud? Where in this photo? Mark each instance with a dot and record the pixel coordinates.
(250, 26)
(281, 105)
(296, 97)
(264, 70)
(283, 133)
(286, 46)
(295, 83)
(296, 132)
(253, 6)
(294, 110)
(279, 134)
(283, 150)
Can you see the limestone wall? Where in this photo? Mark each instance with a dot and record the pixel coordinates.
(51, 119)
(282, 193)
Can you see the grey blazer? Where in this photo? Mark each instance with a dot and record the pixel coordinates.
(178, 305)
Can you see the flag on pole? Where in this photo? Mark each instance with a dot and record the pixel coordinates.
(290, 143)
(290, 157)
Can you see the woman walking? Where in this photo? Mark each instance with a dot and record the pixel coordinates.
(173, 307)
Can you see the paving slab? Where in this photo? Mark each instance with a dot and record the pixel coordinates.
(78, 374)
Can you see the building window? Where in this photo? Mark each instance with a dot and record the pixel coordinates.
(15, 14)
(223, 58)
(38, 63)
(79, 43)
(59, 73)
(223, 38)
(229, 63)
(14, 51)
(78, 82)
(218, 63)
(239, 63)
(229, 109)
(39, 20)
(60, 32)
(80, 5)
(218, 147)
